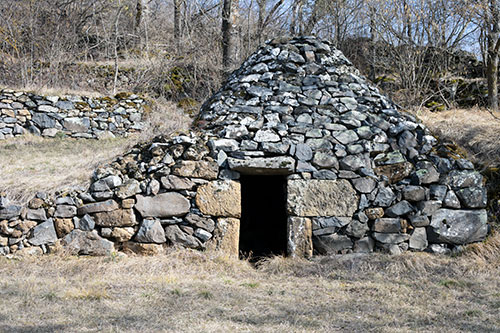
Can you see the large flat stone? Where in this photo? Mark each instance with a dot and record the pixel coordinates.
(263, 165)
(308, 198)
(220, 198)
(162, 205)
(151, 232)
(459, 226)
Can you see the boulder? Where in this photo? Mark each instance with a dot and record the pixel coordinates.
(387, 225)
(472, 197)
(309, 198)
(162, 205)
(364, 185)
(219, 198)
(200, 222)
(128, 189)
(418, 240)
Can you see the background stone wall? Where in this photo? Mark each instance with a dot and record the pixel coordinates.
(75, 116)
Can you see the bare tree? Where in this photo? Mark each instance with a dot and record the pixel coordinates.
(492, 29)
(230, 26)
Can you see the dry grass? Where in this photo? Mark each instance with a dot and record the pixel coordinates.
(187, 291)
(29, 164)
(478, 131)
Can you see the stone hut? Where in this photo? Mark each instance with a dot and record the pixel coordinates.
(296, 154)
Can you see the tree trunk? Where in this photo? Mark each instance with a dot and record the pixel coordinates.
(492, 77)
(493, 50)
(229, 35)
(177, 23)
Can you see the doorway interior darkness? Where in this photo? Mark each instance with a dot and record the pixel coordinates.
(263, 229)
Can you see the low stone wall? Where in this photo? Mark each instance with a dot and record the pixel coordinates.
(75, 116)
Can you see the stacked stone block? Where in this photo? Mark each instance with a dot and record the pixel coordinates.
(74, 116)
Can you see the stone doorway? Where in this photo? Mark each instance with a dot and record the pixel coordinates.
(263, 229)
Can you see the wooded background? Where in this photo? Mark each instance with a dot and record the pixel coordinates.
(420, 52)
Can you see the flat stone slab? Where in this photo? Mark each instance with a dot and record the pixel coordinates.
(459, 226)
(162, 205)
(220, 198)
(263, 165)
(309, 198)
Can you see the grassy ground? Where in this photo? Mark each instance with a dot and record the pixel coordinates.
(188, 291)
(478, 131)
(29, 164)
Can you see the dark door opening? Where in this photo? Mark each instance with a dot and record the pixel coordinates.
(263, 228)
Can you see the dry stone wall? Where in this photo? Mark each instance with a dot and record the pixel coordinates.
(75, 116)
(361, 176)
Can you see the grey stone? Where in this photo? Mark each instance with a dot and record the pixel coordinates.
(391, 158)
(106, 184)
(364, 185)
(429, 207)
(36, 214)
(175, 235)
(459, 226)
(332, 244)
(65, 211)
(86, 223)
(325, 160)
(79, 242)
(385, 197)
(464, 164)
(105, 206)
(303, 152)
(227, 145)
(325, 175)
(10, 212)
(364, 245)
(201, 222)
(44, 233)
(420, 221)
(354, 162)
(345, 137)
(266, 136)
(76, 125)
(263, 165)
(202, 234)
(48, 109)
(357, 229)
(43, 121)
(414, 193)
(400, 209)
(387, 225)
(464, 178)
(162, 205)
(321, 198)
(438, 192)
(172, 182)
(128, 189)
(390, 238)
(151, 231)
(473, 197)
(451, 200)
(439, 249)
(418, 240)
